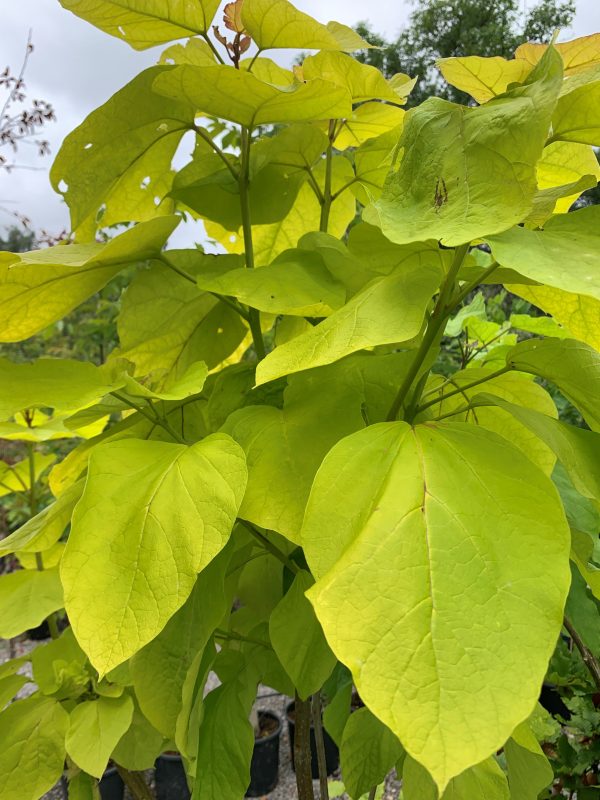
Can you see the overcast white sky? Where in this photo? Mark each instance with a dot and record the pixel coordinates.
(76, 68)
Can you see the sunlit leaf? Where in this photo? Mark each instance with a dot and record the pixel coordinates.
(152, 516)
(392, 501)
(145, 23)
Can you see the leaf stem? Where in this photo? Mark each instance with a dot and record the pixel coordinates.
(227, 300)
(327, 196)
(317, 719)
(466, 290)
(244, 184)
(372, 793)
(462, 389)
(154, 418)
(33, 505)
(214, 50)
(589, 659)
(211, 143)
(268, 545)
(238, 637)
(434, 326)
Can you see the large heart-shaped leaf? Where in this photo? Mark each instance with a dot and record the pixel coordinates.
(152, 516)
(441, 558)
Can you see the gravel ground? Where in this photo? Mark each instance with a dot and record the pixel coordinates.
(267, 700)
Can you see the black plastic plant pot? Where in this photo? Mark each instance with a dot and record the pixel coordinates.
(332, 754)
(169, 776)
(264, 767)
(39, 633)
(551, 700)
(111, 785)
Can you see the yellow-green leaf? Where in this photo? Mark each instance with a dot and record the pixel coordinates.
(564, 163)
(577, 114)
(578, 313)
(298, 640)
(32, 747)
(578, 55)
(239, 96)
(95, 727)
(447, 153)
(166, 323)
(361, 80)
(296, 283)
(573, 366)
(43, 531)
(370, 318)
(484, 781)
(146, 23)
(514, 388)
(277, 23)
(483, 78)
(40, 287)
(451, 660)
(116, 166)
(27, 597)
(152, 516)
(562, 255)
(61, 384)
(529, 771)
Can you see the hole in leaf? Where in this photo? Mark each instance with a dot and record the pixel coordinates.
(88, 146)
(157, 201)
(63, 186)
(122, 31)
(145, 183)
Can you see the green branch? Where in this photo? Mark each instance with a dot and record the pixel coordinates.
(244, 184)
(436, 323)
(463, 389)
(589, 659)
(268, 545)
(153, 418)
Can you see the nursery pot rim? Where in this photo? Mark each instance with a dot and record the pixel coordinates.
(170, 756)
(276, 732)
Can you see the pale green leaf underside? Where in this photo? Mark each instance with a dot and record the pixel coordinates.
(61, 384)
(39, 288)
(152, 516)
(298, 640)
(159, 670)
(485, 781)
(32, 747)
(370, 318)
(564, 254)
(450, 659)
(368, 752)
(43, 531)
(116, 165)
(574, 367)
(146, 23)
(241, 97)
(300, 285)
(95, 727)
(27, 598)
(277, 23)
(450, 154)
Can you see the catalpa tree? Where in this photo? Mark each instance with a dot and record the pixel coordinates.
(274, 428)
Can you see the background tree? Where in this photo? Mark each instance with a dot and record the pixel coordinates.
(445, 28)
